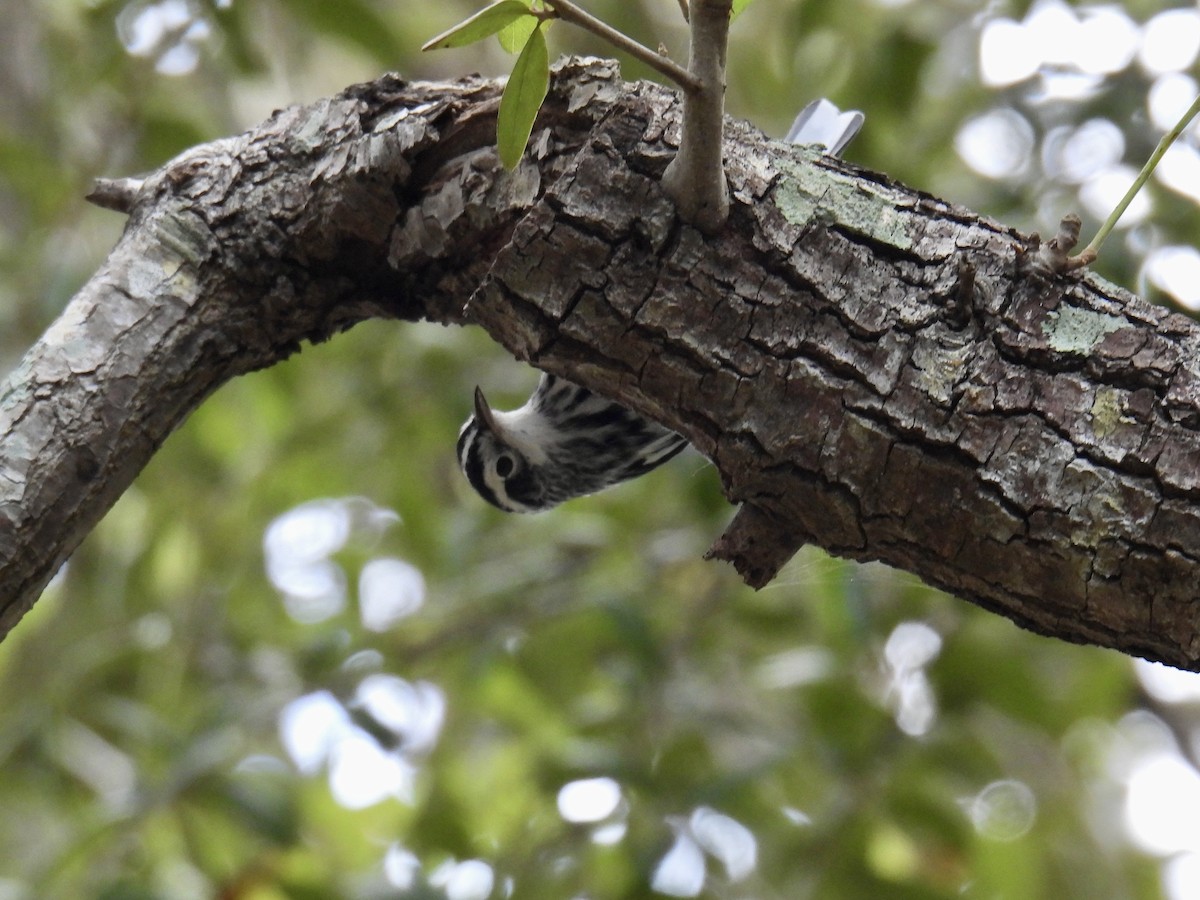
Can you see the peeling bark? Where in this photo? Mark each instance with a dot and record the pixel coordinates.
(869, 368)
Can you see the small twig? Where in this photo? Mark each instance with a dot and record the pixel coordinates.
(1092, 250)
(569, 12)
(1052, 256)
(695, 179)
(683, 8)
(115, 193)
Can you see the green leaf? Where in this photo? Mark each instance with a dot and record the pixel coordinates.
(523, 96)
(514, 37)
(499, 17)
(738, 7)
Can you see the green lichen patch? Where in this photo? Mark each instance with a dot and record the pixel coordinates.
(805, 192)
(1107, 410)
(1073, 330)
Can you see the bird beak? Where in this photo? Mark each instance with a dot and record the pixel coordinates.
(483, 413)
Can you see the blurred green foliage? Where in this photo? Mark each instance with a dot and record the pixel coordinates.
(141, 751)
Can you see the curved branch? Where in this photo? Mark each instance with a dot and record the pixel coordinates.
(235, 253)
(868, 367)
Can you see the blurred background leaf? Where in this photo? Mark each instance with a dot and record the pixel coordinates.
(300, 659)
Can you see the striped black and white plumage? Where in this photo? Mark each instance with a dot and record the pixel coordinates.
(566, 441)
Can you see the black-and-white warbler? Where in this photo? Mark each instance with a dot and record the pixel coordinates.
(563, 443)
(566, 441)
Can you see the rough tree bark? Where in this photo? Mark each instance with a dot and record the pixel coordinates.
(869, 368)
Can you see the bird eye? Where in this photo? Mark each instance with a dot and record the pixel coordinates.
(504, 465)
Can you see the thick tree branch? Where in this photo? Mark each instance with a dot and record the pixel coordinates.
(869, 368)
